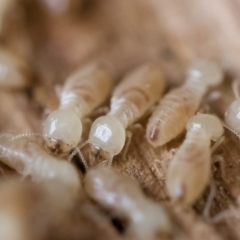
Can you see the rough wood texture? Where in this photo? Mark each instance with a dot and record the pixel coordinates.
(124, 34)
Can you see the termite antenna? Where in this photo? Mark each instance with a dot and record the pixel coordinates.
(209, 200)
(26, 135)
(218, 142)
(231, 130)
(78, 150)
(82, 158)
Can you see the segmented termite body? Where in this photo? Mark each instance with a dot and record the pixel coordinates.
(170, 117)
(82, 92)
(14, 72)
(130, 100)
(29, 159)
(123, 197)
(189, 170)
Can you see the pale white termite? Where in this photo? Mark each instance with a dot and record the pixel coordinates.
(232, 114)
(189, 170)
(174, 110)
(131, 99)
(29, 159)
(14, 72)
(123, 197)
(83, 91)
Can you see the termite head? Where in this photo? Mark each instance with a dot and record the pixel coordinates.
(208, 123)
(206, 72)
(108, 135)
(62, 131)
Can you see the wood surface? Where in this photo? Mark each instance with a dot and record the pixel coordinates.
(124, 34)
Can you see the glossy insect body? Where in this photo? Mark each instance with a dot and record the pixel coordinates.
(14, 72)
(28, 159)
(170, 117)
(189, 170)
(123, 197)
(83, 91)
(131, 99)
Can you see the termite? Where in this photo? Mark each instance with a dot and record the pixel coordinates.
(189, 170)
(130, 100)
(14, 72)
(82, 92)
(29, 159)
(123, 197)
(174, 110)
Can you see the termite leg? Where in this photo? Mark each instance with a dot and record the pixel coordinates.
(127, 144)
(235, 89)
(109, 163)
(219, 159)
(217, 143)
(225, 214)
(209, 200)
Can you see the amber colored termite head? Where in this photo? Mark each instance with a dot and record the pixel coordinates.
(107, 134)
(206, 72)
(208, 123)
(62, 131)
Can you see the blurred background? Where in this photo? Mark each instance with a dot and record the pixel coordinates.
(60, 35)
(57, 36)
